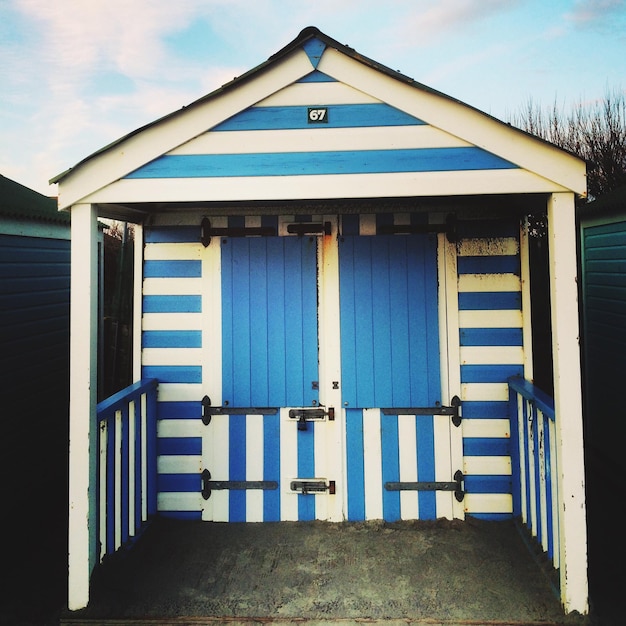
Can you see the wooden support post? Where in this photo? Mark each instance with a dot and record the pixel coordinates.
(568, 402)
(83, 399)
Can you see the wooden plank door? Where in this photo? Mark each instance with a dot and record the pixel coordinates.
(390, 363)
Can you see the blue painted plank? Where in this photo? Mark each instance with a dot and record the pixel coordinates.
(317, 77)
(505, 264)
(489, 373)
(171, 339)
(179, 483)
(425, 434)
(355, 465)
(339, 116)
(173, 234)
(173, 373)
(277, 294)
(321, 163)
(487, 484)
(271, 467)
(172, 269)
(486, 446)
(179, 446)
(237, 443)
(490, 301)
(172, 304)
(491, 336)
(390, 467)
(314, 49)
(179, 410)
(485, 410)
(259, 308)
(381, 324)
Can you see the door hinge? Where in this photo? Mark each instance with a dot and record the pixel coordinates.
(208, 485)
(456, 486)
(453, 410)
(208, 410)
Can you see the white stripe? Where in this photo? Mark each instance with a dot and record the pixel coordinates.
(467, 182)
(216, 453)
(492, 355)
(180, 428)
(486, 428)
(171, 286)
(132, 435)
(487, 465)
(484, 392)
(317, 93)
(288, 466)
(489, 282)
(488, 247)
(254, 466)
(167, 251)
(179, 392)
(319, 139)
(444, 469)
(172, 356)
(117, 473)
(172, 501)
(490, 319)
(171, 321)
(175, 464)
(488, 503)
(408, 465)
(102, 504)
(372, 464)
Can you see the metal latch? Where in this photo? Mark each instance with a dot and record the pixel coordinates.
(311, 415)
(312, 485)
(208, 485)
(456, 486)
(452, 410)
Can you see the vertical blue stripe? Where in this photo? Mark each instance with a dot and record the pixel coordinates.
(424, 427)
(355, 479)
(390, 466)
(306, 469)
(399, 324)
(237, 466)
(381, 324)
(271, 467)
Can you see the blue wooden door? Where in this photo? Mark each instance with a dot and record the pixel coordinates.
(390, 359)
(269, 366)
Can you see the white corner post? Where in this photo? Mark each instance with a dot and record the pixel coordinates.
(568, 403)
(83, 399)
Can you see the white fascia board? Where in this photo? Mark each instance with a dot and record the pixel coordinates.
(323, 187)
(161, 137)
(534, 155)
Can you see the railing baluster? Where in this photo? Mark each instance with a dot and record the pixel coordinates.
(127, 475)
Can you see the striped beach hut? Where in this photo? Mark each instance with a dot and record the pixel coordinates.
(332, 265)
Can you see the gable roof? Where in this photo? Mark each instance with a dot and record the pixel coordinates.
(106, 175)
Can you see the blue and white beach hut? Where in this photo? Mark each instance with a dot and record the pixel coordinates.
(334, 277)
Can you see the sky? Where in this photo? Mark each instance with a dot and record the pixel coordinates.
(75, 75)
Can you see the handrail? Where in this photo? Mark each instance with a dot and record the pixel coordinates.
(127, 492)
(534, 464)
(527, 390)
(117, 400)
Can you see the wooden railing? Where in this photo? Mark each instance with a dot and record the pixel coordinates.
(534, 464)
(126, 464)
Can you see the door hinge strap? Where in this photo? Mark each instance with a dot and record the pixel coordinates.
(208, 410)
(208, 485)
(309, 228)
(452, 410)
(456, 486)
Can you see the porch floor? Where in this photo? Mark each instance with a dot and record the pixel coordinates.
(443, 572)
